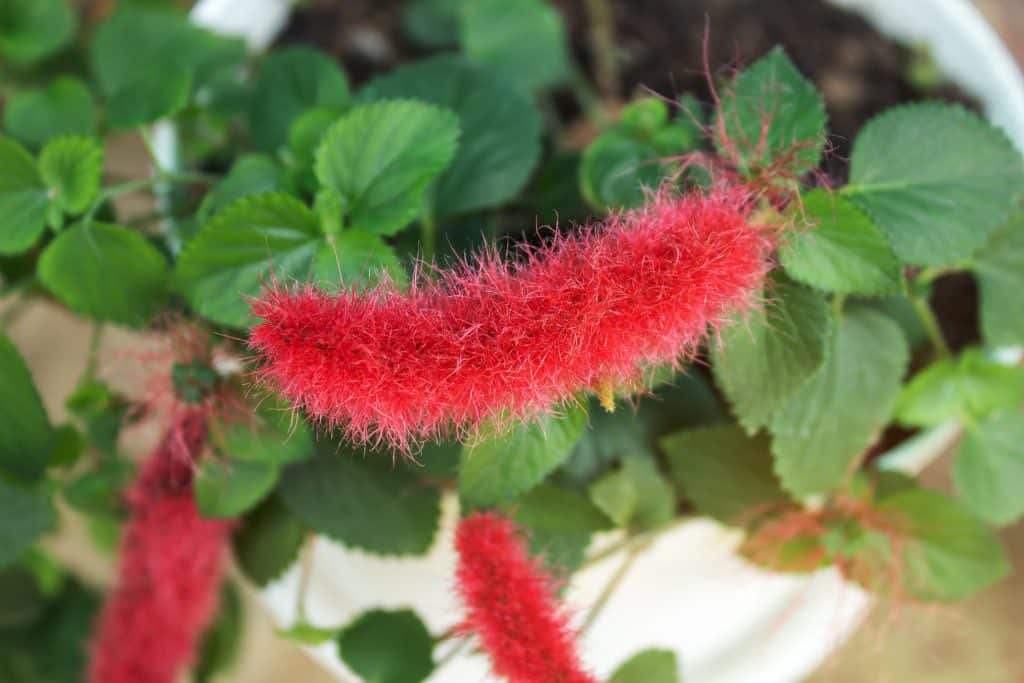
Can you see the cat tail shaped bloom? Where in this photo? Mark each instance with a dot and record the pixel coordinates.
(170, 569)
(493, 338)
(510, 605)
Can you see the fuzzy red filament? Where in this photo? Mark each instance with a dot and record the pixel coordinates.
(169, 573)
(510, 605)
(491, 338)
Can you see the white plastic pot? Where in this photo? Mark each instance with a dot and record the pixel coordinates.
(728, 621)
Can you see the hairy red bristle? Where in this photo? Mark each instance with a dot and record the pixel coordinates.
(491, 338)
(169, 572)
(510, 605)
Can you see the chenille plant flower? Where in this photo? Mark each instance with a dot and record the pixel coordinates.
(589, 310)
(510, 604)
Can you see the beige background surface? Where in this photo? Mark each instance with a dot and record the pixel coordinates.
(975, 642)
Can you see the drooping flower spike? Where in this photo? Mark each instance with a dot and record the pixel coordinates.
(510, 605)
(170, 569)
(491, 338)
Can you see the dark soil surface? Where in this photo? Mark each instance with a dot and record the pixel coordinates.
(661, 47)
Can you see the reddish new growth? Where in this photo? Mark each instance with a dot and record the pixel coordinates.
(490, 338)
(170, 570)
(511, 607)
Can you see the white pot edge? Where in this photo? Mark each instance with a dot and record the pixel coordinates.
(978, 61)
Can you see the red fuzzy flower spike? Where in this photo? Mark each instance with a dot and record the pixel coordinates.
(170, 570)
(489, 338)
(511, 607)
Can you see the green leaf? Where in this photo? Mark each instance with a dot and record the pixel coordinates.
(937, 203)
(26, 437)
(770, 115)
(432, 23)
(106, 272)
(65, 107)
(23, 199)
(552, 508)
(363, 501)
(840, 250)
(251, 174)
(24, 516)
(616, 168)
(762, 360)
(268, 541)
(723, 472)
(501, 467)
(22, 601)
(304, 138)
(233, 254)
(967, 388)
(380, 157)
(276, 436)
(989, 468)
(636, 496)
(71, 167)
(223, 639)
(832, 419)
(368, 647)
(500, 130)
(686, 401)
(524, 41)
(949, 553)
(356, 258)
(148, 61)
(291, 81)
(227, 488)
(999, 267)
(31, 30)
(648, 666)
(100, 490)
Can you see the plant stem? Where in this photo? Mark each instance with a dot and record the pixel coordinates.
(931, 325)
(613, 584)
(93, 359)
(428, 236)
(15, 310)
(602, 46)
(305, 572)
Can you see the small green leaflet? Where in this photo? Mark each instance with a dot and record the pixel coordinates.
(524, 41)
(937, 203)
(989, 468)
(275, 436)
(760, 361)
(251, 174)
(827, 425)
(362, 500)
(379, 158)
(268, 541)
(432, 23)
(291, 81)
(966, 388)
(99, 490)
(635, 496)
(501, 129)
(305, 633)
(622, 162)
(31, 30)
(552, 508)
(772, 91)
(106, 272)
(999, 267)
(227, 488)
(26, 437)
(388, 647)
(840, 250)
(25, 515)
(23, 199)
(726, 474)
(72, 167)
(503, 466)
(234, 252)
(64, 107)
(949, 553)
(648, 666)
